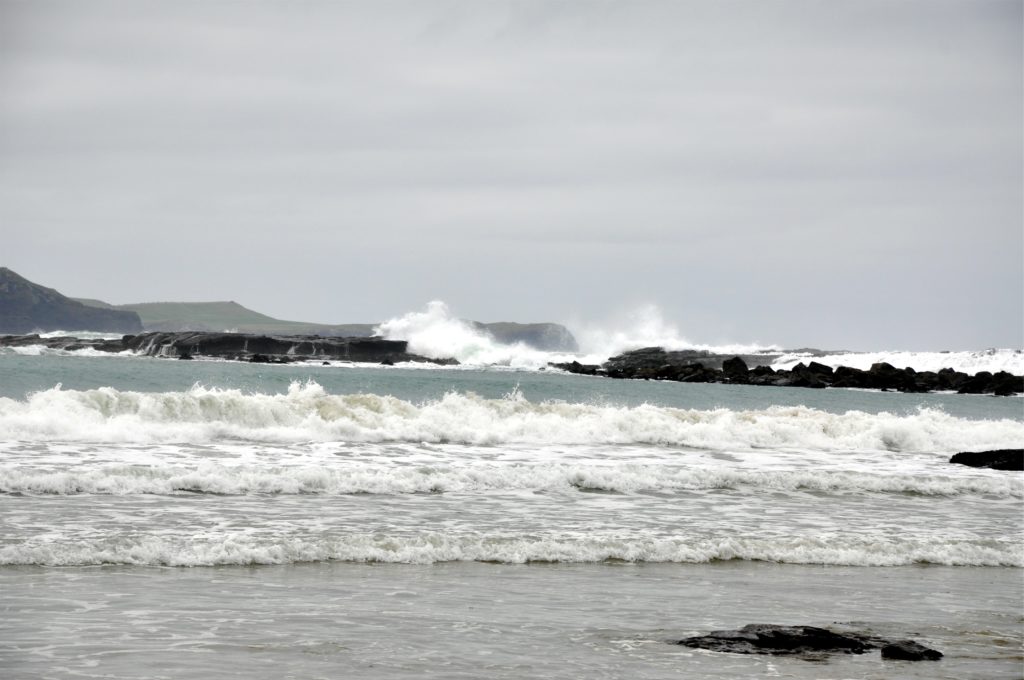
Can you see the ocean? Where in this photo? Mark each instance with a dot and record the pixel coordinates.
(183, 519)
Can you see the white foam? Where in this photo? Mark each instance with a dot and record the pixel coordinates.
(646, 326)
(307, 413)
(43, 350)
(992, 360)
(241, 548)
(375, 478)
(437, 333)
(83, 335)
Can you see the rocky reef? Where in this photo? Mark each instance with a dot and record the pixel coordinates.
(241, 347)
(655, 363)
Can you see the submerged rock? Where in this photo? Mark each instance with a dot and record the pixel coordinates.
(807, 641)
(908, 650)
(759, 638)
(1001, 459)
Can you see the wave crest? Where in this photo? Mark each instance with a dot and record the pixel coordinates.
(364, 478)
(250, 548)
(307, 413)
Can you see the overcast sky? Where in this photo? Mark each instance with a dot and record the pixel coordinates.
(832, 174)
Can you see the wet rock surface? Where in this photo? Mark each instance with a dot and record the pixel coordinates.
(1000, 459)
(655, 363)
(270, 349)
(908, 650)
(806, 641)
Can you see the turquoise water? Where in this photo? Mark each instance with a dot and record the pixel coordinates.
(176, 519)
(20, 375)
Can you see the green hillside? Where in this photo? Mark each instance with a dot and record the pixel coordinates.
(222, 316)
(27, 307)
(231, 316)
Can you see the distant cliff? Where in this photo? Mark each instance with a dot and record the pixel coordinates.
(216, 317)
(222, 316)
(550, 337)
(26, 307)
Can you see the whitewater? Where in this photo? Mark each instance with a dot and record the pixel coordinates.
(296, 518)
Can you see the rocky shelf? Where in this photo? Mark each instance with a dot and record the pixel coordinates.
(241, 347)
(655, 363)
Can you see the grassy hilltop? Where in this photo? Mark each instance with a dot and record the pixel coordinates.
(222, 316)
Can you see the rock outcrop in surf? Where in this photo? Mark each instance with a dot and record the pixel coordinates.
(240, 347)
(807, 641)
(655, 363)
(1000, 459)
(27, 307)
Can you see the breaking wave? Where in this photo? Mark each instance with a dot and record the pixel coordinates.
(362, 478)
(307, 413)
(436, 332)
(870, 549)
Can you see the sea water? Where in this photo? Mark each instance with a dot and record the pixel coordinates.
(175, 519)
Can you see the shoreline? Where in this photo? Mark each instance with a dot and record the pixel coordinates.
(651, 363)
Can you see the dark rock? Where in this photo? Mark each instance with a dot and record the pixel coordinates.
(274, 348)
(1004, 384)
(819, 369)
(577, 367)
(771, 639)
(185, 357)
(846, 376)
(949, 379)
(629, 363)
(806, 641)
(908, 650)
(1001, 459)
(979, 384)
(735, 369)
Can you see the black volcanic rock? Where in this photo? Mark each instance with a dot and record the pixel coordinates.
(807, 641)
(1001, 459)
(274, 348)
(241, 347)
(908, 650)
(655, 363)
(26, 307)
(735, 369)
(577, 367)
(758, 638)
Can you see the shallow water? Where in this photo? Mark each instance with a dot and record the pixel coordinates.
(213, 519)
(475, 620)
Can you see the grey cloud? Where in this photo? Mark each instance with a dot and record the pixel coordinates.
(735, 162)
